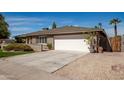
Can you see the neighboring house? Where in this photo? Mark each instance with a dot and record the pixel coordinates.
(66, 38)
(4, 42)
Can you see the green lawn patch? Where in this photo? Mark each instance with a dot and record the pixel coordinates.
(7, 54)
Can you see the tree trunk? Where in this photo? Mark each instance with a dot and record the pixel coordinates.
(115, 28)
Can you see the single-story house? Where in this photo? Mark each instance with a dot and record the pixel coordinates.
(67, 38)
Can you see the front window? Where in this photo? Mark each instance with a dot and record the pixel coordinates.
(29, 40)
(42, 39)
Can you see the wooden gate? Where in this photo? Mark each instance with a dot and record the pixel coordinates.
(116, 44)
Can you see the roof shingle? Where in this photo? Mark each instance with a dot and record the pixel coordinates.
(62, 30)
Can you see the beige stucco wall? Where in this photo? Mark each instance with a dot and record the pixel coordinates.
(34, 40)
(71, 36)
(35, 47)
(50, 40)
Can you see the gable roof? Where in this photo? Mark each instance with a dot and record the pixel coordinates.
(62, 30)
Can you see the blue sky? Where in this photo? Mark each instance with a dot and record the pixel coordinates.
(25, 22)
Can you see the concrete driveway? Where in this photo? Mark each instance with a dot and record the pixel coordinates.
(49, 61)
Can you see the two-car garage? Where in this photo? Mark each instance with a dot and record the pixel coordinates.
(71, 42)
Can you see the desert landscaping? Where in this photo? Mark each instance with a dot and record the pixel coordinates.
(95, 66)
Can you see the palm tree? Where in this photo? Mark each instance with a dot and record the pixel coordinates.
(114, 22)
(4, 33)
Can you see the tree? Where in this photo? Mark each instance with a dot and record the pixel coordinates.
(4, 33)
(114, 22)
(54, 25)
(100, 25)
(96, 27)
(19, 39)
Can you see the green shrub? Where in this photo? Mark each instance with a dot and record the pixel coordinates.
(17, 47)
(1, 50)
(49, 46)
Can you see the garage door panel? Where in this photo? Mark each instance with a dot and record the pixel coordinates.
(71, 44)
(79, 36)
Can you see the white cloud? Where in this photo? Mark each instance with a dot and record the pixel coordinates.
(24, 23)
(10, 19)
(20, 25)
(16, 29)
(20, 30)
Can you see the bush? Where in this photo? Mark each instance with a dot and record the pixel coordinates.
(49, 46)
(17, 47)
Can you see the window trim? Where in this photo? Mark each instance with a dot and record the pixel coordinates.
(42, 39)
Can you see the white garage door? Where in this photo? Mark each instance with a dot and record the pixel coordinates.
(71, 44)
